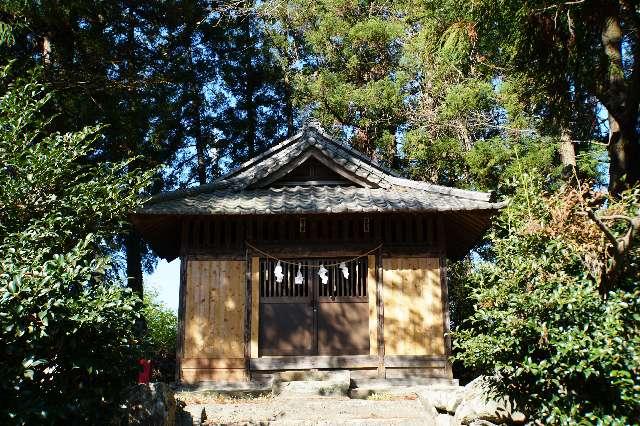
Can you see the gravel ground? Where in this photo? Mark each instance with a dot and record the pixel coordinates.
(308, 411)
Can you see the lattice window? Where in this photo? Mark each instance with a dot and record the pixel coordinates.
(337, 285)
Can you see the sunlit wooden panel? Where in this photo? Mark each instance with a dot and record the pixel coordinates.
(413, 307)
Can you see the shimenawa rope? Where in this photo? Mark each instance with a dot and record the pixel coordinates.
(312, 266)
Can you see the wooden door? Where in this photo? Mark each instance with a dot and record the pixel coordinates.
(287, 311)
(343, 310)
(313, 318)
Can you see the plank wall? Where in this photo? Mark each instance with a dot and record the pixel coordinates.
(413, 307)
(214, 321)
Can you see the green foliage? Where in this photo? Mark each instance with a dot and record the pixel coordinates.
(465, 98)
(541, 326)
(161, 337)
(68, 340)
(348, 71)
(50, 192)
(6, 34)
(570, 60)
(439, 160)
(67, 330)
(498, 160)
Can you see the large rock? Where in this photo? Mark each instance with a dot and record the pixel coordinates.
(444, 420)
(151, 404)
(480, 406)
(430, 412)
(445, 398)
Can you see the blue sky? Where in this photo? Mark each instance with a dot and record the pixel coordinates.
(165, 281)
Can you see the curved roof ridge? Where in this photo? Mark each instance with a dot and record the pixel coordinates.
(221, 181)
(361, 156)
(277, 147)
(440, 189)
(314, 135)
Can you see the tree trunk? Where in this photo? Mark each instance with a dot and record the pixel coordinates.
(394, 157)
(624, 156)
(249, 88)
(622, 105)
(288, 105)
(133, 242)
(215, 161)
(250, 108)
(46, 50)
(200, 148)
(567, 149)
(133, 247)
(198, 134)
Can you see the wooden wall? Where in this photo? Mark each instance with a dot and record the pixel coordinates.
(214, 321)
(413, 307)
(408, 339)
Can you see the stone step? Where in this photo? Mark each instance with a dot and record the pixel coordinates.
(326, 383)
(406, 381)
(364, 388)
(255, 387)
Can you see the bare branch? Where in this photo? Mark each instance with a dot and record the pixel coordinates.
(604, 228)
(620, 246)
(617, 217)
(560, 6)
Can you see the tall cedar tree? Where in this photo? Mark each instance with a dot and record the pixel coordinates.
(253, 115)
(340, 61)
(585, 49)
(191, 54)
(104, 61)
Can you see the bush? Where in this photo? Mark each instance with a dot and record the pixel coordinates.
(68, 329)
(556, 336)
(161, 338)
(68, 341)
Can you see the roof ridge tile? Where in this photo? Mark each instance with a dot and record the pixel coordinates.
(313, 135)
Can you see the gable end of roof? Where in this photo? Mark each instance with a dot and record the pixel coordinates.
(265, 168)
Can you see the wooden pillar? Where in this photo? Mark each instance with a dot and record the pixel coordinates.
(446, 317)
(182, 298)
(373, 304)
(247, 314)
(185, 228)
(380, 306)
(255, 305)
(446, 320)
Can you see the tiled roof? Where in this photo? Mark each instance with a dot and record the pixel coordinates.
(239, 191)
(318, 199)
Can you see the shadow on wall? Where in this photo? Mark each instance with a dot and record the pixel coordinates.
(413, 311)
(214, 314)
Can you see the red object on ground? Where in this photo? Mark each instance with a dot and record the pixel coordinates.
(145, 375)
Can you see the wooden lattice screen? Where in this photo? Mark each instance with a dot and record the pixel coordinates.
(337, 285)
